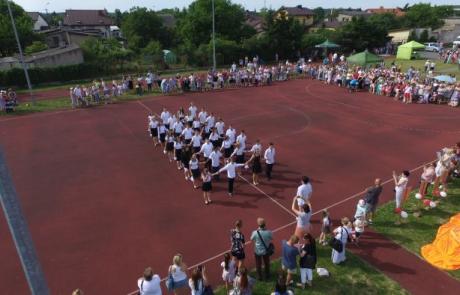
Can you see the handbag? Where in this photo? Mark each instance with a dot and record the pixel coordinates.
(208, 291)
(336, 244)
(170, 281)
(270, 250)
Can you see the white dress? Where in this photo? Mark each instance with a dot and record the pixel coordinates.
(342, 236)
(400, 188)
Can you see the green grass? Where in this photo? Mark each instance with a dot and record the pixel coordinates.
(441, 68)
(64, 104)
(352, 277)
(419, 231)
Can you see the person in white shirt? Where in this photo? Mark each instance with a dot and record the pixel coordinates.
(231, 133)
(231, 173)
(187, 133)
(304, 192)
(149, 284)
(162, 133)
(215, 161)
(202, 116)
(400, 187)
(178, 145)
(211, 120)
(196, 142)
(165, 117)
(206, 150)
(269, 157)
(196, 125)
(153, 126)
(220, 126)
(227, 147)
(214, 137)
(257, 147)
(242, 139)
(178, 127)
(238, 152)
(192, 110)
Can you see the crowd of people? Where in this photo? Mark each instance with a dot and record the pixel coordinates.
(8, 100)
(413, 86)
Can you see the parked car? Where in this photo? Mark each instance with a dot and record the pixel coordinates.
(457, 41)
(433, 47)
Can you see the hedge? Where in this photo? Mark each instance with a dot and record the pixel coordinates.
(15, 77)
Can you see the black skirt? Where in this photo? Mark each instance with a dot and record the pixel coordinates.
(154, 132)
(178, 154)
(256, 166)
(163, 137)
(207, 186)
(196, 173)
(170, 146)
(227, 153)
(240, 159)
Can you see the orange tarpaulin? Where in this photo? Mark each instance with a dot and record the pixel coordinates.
(444, 252)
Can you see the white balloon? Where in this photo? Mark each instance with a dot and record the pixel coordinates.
(418, 196)
(432, 204)
(404, 214)
(443, 194)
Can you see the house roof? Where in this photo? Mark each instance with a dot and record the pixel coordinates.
(354, 13)
(331, 24)
(87, 18)
(255, 21)
(33, 15)
(89, 33)
(50, 52)
(298, 11)
(381, 10)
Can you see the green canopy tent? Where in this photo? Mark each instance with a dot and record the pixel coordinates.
(364, 58)
(327, 44)
(169, 57)
(405, 50)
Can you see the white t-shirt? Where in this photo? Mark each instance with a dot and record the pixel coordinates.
(231, 133)
(269, 156)
(196, 140)
(241, 139)
(304, 191)
(151, 287)
(165, 117)
(202, 116)
(192, 110)
(231, 169)
(187, 133)
(215, 158)
(206, 149)
(220, 127)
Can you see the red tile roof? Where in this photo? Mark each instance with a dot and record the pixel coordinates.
(381, 10)
(87, 18)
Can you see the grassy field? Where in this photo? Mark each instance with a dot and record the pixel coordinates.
(419, 231)
(64, 104)
(441, 68)
(353, 277)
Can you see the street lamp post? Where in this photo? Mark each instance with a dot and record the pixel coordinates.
(21, 56)
(213, 36)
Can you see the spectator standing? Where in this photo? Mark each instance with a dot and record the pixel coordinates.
(289, 256)
(341, 233)
(149, 283)
(372, 199)
(325, 228)
(400, 187)
(198, 281)
(237, 240)
(243, 283)
(269, 157)
(262, 239)
(307, 261)
(178, 272)
(304, 191)
(228, 271)
(303, 218)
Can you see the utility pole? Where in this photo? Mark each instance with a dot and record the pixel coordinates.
(20, 232)
(21, 56)
(213, 37)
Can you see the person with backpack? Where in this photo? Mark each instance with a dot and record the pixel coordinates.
(262, 239)
(341, 234)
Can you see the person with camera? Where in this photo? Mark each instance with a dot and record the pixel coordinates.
(263, 248)
(198, 281)
(149, 283)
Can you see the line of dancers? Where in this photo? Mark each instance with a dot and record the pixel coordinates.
(201, 146)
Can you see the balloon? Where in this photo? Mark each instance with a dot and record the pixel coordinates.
(432, 204)
(418, 196)
(443, 194)
(404, 214)
(426, 202)
(398, 210)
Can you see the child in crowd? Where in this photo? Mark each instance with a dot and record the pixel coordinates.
(325, 228)
(360, 209)
(358, 229)
(228, 271)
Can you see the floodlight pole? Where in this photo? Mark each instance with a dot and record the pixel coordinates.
(21, 56)
(213, 36)
(20, 232)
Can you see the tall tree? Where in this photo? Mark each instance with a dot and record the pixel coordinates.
(360, 34)
(285, 34)
(24, 26)
(423, 15)
(195, 26)
(141, 25)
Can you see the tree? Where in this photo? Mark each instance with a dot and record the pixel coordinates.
(36, 46)
(423, 15)
(140, 26)
(319, 15)
(106, 53)
(424, 36)
(153, 52)
(385, 21)
(53, 19)
(196, 24)
(360, 34)
(284, 34)
(311, 39)
(24, 25)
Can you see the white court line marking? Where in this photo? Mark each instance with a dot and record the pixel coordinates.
(286, 225)
(272, 199)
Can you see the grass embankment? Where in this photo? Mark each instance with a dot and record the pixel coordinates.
(352, 277)
(63, 103)
(441, 68)
(419, 231)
